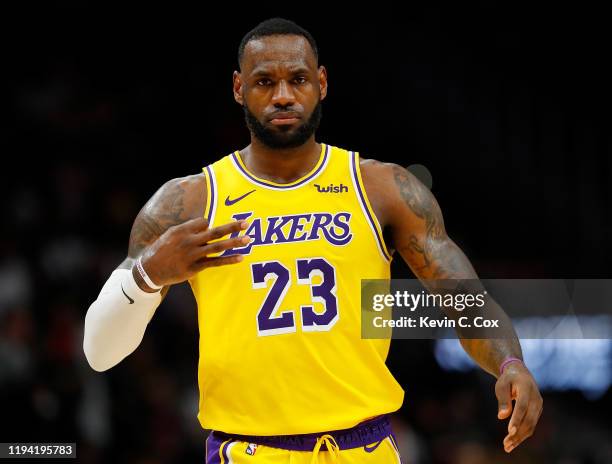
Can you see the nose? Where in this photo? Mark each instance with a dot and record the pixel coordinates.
(283, 94)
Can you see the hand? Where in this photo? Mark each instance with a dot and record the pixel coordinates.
(517, 383)
(181, 251)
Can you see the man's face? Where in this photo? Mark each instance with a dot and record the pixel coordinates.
(280, 89)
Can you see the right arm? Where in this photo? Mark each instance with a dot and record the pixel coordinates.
(177, 201)
(171, 238)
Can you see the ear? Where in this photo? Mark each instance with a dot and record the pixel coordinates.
(322, 82)
(237, 87)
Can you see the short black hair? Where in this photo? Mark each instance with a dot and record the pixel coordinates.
(276, 26)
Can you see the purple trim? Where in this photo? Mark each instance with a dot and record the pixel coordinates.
(212, 194)
(394, 442)
(224, 452)
(281, 187)
(395, 445)
(365, 206)
(361, 435)
(213, 443)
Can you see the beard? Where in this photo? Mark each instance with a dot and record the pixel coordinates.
(283, 136)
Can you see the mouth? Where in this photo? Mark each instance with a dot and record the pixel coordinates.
(283, 119)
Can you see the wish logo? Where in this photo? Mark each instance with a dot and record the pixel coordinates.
(331, 188)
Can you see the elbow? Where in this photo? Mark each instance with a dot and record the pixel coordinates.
(111, 333)
(95, 363)
(98, 367)
(96, 360)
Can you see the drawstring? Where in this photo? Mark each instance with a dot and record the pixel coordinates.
(332, 447)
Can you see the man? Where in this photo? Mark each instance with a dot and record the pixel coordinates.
(275, 240)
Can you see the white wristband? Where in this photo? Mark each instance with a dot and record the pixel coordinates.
(145, 276)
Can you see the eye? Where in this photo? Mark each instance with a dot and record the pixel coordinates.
(300, 80)
(263, 82)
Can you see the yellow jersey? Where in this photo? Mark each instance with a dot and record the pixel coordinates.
(280, 344)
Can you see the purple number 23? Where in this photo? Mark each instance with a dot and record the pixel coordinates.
(323, 292)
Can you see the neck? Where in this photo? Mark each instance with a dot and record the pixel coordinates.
(281, 165)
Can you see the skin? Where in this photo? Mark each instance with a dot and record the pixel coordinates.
(281, 74)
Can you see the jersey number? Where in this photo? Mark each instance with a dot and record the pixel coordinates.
(323, 292)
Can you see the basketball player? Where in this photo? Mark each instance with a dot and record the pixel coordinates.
(274, 240)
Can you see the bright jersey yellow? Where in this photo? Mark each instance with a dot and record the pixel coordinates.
(280, 332)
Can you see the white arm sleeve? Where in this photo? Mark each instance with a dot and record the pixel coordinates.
(115, 323)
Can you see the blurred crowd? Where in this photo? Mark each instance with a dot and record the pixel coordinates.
(103, 116)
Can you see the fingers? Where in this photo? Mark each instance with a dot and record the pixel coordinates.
(503, 392)
(209, 242)
(200, 225)
(520, 410)
(223, 230)
(526, 427)
(197, 225)
(216, 262)
(222, 245)
(520, 386)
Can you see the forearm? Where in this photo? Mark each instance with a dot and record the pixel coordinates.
(116, 322)
(452, 266)
(490, 353)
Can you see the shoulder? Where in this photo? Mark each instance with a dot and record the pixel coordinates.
(379, 170)
(177, 201)
(377, 178)
(180, 189)
(392, 187)
(184, 196)
(391, 176)
(372, 167)
(380, 178)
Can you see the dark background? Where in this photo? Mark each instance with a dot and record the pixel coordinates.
(506, 106)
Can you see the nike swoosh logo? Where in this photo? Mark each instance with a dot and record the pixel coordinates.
(229, 202)
(369, 449)
(126, 295)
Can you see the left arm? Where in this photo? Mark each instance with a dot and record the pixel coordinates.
(412, 216)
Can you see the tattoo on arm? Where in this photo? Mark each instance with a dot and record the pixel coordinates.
(163, 211)
(431, 253)
(433, 257)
